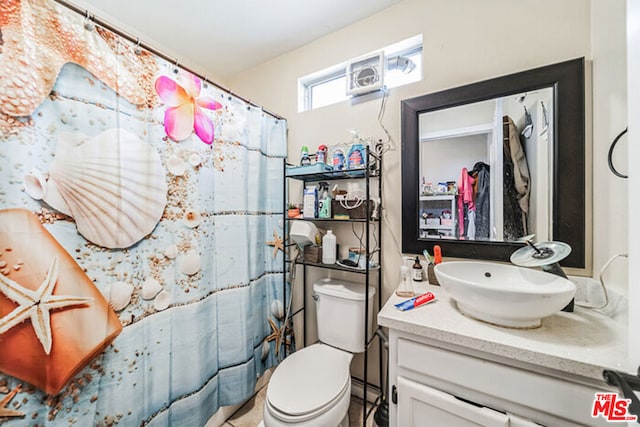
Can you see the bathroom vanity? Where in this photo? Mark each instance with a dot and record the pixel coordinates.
(448, 369)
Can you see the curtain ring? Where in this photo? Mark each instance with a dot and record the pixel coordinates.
(137, 50)
(88, 24)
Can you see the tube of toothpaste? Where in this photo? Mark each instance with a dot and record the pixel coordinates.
(415, 302)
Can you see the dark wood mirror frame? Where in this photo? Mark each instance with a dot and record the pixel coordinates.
(568, 180)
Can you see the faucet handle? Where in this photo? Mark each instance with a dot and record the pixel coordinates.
(540, 254)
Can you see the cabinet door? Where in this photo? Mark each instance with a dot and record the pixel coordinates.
(420, 405)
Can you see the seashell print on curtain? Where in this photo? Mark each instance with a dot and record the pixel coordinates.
(137, 284)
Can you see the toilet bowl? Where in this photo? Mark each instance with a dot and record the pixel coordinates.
(312, 387)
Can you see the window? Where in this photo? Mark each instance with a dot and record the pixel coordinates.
(403, 65)
(327, 91)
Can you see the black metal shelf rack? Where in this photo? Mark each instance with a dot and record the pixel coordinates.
(371, 175)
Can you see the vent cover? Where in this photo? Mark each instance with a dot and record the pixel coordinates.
(365, 74)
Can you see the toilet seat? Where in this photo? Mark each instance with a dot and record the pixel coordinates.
(308, 383)
(337, 405)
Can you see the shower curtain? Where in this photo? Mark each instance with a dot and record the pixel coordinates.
(141, 270)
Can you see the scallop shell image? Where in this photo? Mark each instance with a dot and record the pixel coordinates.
(112, 185)
(119, 295)
(150, 288)
(162, 301)
(190, 263)
(191, 219)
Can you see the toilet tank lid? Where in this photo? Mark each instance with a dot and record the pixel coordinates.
(343, 289)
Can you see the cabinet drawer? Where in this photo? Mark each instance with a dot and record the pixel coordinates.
(420, 405)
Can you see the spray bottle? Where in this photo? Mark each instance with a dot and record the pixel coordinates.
(324, 204)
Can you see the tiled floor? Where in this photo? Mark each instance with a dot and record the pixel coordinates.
(250, 414)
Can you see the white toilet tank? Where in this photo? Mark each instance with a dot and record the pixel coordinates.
(340, 313)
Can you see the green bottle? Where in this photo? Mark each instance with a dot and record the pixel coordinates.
(304, 156)
(324, 205)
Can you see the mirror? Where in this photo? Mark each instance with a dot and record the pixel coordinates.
(506, 141)
(487, 165)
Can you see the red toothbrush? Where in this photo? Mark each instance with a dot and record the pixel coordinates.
(437, 254)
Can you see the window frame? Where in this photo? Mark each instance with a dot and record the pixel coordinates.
(309, 86)
(306, 84)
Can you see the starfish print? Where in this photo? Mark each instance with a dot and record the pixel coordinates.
(277, 243)
(5, 401)
(36, 305)
(39, 38)
(275, 335)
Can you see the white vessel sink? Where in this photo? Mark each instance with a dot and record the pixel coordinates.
(504, 295)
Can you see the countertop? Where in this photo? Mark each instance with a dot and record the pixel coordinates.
(582, 343)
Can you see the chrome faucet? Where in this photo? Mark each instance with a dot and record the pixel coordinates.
(547, 256)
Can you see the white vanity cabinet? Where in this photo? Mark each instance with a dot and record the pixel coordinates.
(437, 386)
(446, 369)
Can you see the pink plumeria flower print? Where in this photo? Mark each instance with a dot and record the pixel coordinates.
(185, 108)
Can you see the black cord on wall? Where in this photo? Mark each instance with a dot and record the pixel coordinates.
(610, 157)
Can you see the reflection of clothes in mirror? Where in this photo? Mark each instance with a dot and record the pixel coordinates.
(470, 224)
(466, 206)
(481, 190)
(515, 181)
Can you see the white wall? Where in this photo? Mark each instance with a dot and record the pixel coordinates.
(610, 201)
(464, 41)
(467, 41)
(633, 47)
(459, 152)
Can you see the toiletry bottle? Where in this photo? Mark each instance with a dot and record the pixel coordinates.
(417, 271)
(324, 203)
(405, 288)
(321, 154)
(338, 159)
(304, 156)
(310, 202)
(355, 159)
(329, 248)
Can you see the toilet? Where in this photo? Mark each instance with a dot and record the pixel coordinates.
(312, 387)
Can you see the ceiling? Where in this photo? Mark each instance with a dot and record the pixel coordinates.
(221, 38)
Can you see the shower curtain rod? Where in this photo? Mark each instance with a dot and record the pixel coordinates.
(145, 46)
